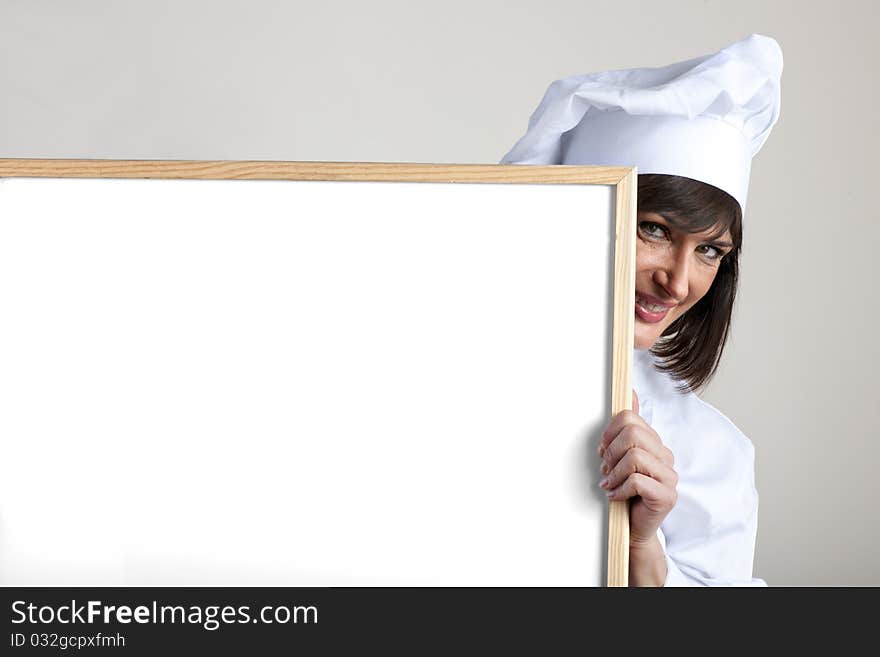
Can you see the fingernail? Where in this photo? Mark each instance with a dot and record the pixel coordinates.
(603, 483)
(601, 450)
(604, 468)
(610, 493)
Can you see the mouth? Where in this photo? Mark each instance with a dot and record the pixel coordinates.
(650, 310)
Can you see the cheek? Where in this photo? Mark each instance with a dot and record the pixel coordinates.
(700, 283)
(646, 266)
(647, 259)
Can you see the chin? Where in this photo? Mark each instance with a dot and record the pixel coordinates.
(644, 339)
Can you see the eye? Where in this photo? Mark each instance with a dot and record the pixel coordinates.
(711, 253)
(653, 230)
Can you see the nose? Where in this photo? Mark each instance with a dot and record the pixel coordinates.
(672, 275)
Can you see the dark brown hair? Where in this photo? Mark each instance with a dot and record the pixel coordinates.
(691, 347)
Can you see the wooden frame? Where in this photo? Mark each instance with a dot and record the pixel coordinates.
(622, 178)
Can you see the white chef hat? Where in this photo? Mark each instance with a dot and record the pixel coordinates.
(704, 118)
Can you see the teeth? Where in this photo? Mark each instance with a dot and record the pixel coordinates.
(651, 308)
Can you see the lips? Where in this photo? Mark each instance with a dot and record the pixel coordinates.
(651, 309)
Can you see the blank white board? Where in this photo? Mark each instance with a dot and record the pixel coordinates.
(303, 383)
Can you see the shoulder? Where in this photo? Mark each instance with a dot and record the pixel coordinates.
(697, 433)
(715, 463)
(704, 441)
(712, 435)
(717, 423)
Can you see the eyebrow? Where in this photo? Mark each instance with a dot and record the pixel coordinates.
(717, 243)
(710, 242)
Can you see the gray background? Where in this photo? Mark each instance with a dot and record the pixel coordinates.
(414, 81)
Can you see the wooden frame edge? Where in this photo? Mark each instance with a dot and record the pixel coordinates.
(622, 358)
(282, 170)
(623, 178)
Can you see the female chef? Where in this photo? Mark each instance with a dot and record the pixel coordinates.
(692, 129)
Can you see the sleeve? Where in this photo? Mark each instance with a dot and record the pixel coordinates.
(709, 539)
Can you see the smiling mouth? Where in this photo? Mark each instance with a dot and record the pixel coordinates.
(649, 311)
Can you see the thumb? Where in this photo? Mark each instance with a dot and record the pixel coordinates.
(635, 402)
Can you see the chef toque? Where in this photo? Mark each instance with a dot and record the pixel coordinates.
(704, 118)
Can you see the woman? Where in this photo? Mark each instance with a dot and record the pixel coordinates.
(692, 129)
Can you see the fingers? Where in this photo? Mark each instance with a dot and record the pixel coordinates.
(638, 461)
(656, 496)
(636, 464)
(619, 421)
(634, 432)
(616, 425)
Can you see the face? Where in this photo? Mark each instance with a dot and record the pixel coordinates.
(674, 270)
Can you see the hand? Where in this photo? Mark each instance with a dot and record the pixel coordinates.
(637, 465)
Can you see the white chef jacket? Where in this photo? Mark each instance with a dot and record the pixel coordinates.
(709, 536)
